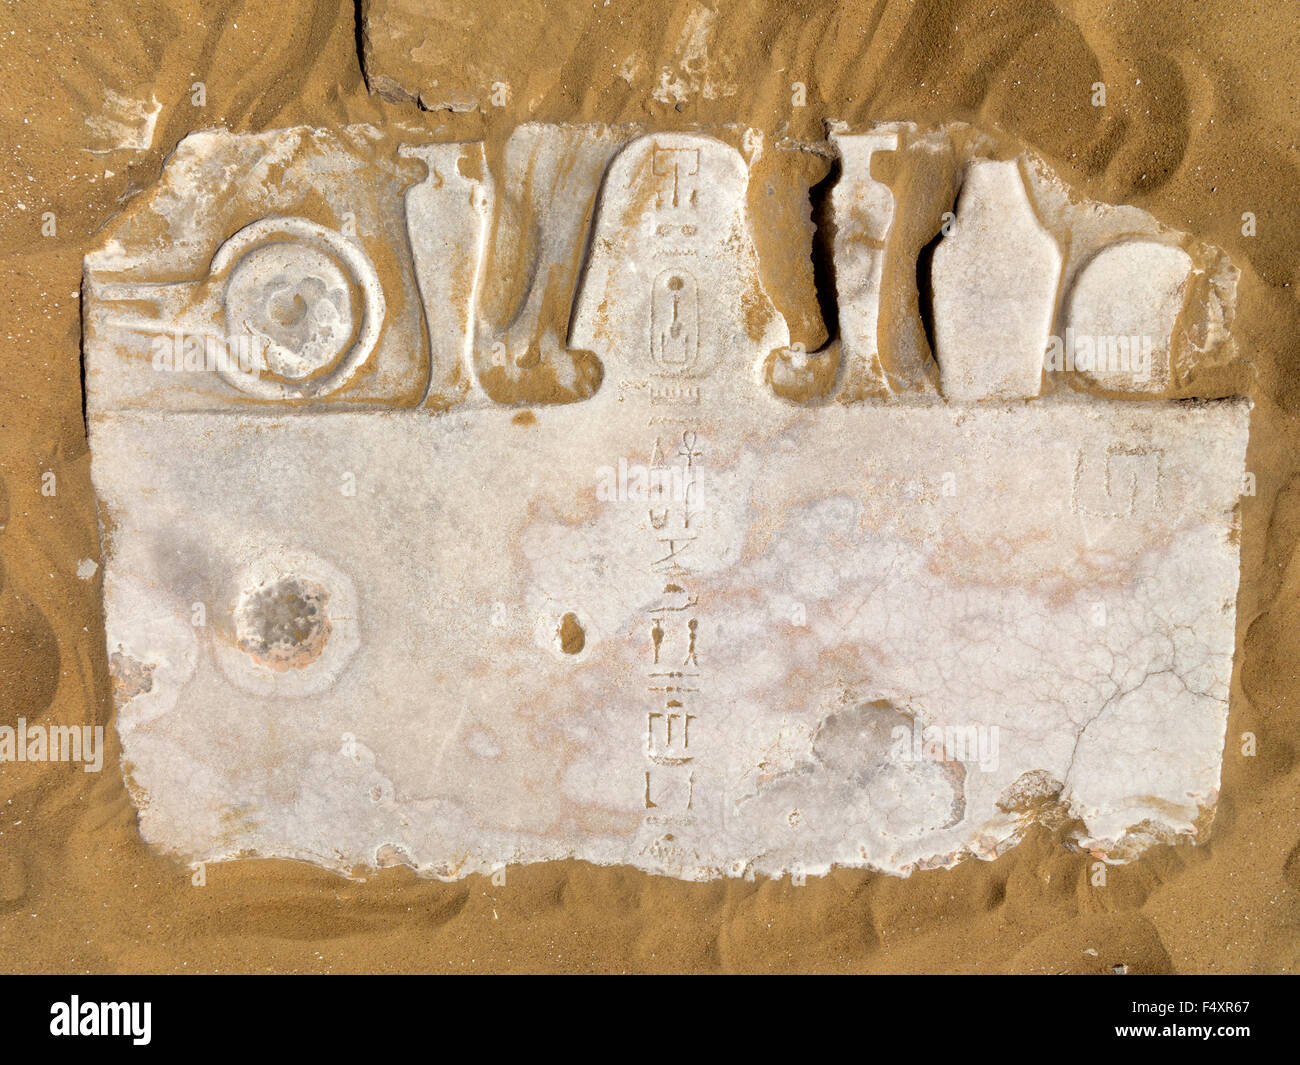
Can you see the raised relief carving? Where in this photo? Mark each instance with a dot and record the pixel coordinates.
(288, 310)
(864, 212)
(544, 559)
(308, 298)
(267, 289)
(674, 204)
(1123, 308)
(448, 217)
(995, 280)
(545, 201)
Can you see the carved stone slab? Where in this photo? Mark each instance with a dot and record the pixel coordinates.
(593, 579)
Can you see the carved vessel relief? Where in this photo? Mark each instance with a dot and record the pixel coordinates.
(464, 509)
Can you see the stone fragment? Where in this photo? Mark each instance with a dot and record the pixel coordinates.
(551, 175)
(125, 124)
(216, 291)
(995, 279)
(773, 686)
(1098, 233)
(367, 609)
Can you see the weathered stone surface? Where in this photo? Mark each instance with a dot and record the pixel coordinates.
(658, 615)
(1124, 305)
(671, 250)
(995, 281)
(304, 235)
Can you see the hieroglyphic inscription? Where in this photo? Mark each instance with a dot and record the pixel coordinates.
(1123, 481)
(674, 679)
(606, 683)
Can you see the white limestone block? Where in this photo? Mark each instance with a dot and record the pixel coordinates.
(671, 290)
(549, 185)
(681, 624)
(216, 292)
(806, 639)
(448, 216)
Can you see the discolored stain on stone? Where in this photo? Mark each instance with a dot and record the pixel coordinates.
(1028, 791)
(572, 636)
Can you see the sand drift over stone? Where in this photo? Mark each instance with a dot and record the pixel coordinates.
(466, 513)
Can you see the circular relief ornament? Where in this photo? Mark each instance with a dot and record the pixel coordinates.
(308, 297)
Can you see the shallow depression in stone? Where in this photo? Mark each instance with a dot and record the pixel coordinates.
(284, 625)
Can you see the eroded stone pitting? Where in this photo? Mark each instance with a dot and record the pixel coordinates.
(130, 677)
(284, 625)
(541, 536)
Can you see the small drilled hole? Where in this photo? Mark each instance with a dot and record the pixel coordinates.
(572, 637)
